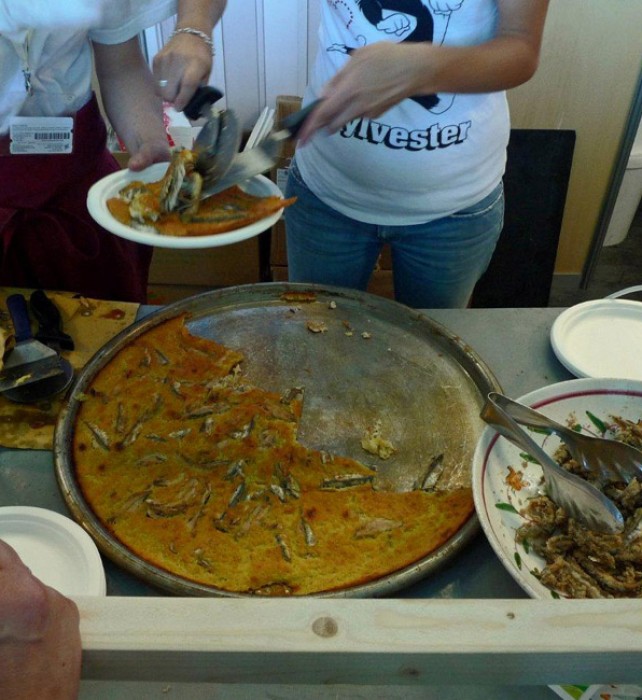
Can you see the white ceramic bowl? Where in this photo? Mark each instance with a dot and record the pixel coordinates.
(498, 503)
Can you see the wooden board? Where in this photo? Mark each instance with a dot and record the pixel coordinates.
(361, 642)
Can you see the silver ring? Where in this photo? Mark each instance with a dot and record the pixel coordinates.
(163, 83)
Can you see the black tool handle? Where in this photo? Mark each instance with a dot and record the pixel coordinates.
(17, 306)
(204, 97)
(294, 122)
(49, 320)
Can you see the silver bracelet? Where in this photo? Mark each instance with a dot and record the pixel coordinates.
(195, 32)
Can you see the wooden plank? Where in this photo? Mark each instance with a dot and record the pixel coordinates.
(285, 106)
(382, 642)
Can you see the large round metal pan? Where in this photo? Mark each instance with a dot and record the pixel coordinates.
(376, 360)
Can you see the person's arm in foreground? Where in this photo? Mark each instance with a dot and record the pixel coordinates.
(40, 649)
(185, 62)
(131, 103)
(380, 75)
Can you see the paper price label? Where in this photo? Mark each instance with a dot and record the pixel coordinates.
(41, 135)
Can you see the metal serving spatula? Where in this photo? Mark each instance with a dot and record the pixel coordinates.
(262, 157)
(30, 360)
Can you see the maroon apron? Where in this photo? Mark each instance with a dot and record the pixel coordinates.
(48, 239)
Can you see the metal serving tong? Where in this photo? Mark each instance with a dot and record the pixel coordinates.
(218, 142)
(219, 139)
(603, 460)
(580, 499)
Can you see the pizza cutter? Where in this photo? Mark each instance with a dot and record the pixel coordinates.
(43, 389)
(218, 141)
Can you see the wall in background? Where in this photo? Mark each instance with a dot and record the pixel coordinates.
(590, 67)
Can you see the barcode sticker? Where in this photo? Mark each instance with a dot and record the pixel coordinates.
(41, 135)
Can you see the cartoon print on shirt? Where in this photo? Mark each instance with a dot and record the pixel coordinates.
(405, 20)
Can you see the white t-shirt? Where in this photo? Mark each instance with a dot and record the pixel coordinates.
(49, 40)
(424, 158)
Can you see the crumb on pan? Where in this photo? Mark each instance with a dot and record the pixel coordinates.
(316, 326)
(373, 442)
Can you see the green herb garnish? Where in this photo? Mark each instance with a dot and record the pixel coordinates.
(599, 424)
(506, 506)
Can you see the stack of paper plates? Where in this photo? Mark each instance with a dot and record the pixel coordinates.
(601, 338)
(57, 550)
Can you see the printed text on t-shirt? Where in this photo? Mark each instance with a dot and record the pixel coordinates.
(430, 138)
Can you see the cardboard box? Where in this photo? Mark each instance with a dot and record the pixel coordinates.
(279, 273)
(385, 259)
(285, 105)
(122, 158)
(215, 267)
(278, 248)
(380, 282)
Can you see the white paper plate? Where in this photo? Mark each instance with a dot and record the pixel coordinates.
(56, 549)
(601, 338)
(498, 504)
(109, 187)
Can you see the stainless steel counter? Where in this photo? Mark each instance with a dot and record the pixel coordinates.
(515, 345)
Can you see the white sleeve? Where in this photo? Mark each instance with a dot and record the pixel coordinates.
(20, 15)
(124, 19)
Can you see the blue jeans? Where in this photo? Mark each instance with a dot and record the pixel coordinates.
(435, 265)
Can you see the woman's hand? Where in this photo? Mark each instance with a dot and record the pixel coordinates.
(183, 64)
(372, 81)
